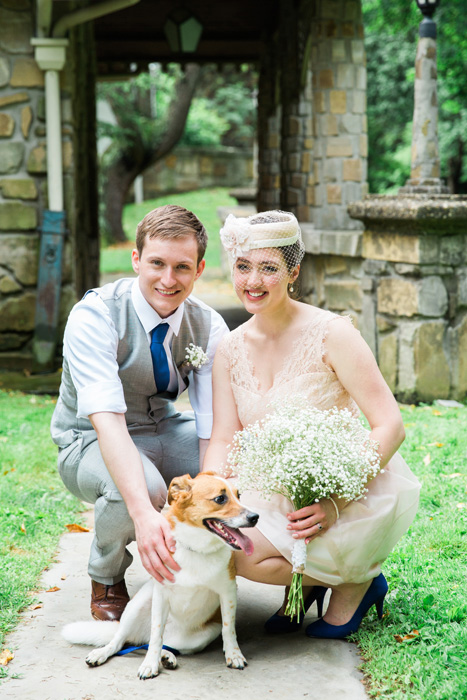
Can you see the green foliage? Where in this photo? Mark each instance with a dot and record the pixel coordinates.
(204, 126)
(391, 34)
(224, 104)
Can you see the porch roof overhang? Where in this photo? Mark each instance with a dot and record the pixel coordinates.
(233, 31)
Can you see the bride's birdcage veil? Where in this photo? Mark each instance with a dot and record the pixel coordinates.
(270, 242)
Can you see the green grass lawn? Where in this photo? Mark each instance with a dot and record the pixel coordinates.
(427, 603)
(203, 203)
(34, 505)
(418, 651)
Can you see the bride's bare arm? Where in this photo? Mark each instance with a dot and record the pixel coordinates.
(226, 420)
(353, 362)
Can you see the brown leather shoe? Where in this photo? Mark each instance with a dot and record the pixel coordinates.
(108, 602)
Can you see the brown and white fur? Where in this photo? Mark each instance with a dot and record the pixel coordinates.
(204, 514)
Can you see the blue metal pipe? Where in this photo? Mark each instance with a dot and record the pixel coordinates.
(49, 283)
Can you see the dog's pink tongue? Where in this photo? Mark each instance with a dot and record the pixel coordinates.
(242, 540)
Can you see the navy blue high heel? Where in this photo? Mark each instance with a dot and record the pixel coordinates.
(282, 624)
(374, 596)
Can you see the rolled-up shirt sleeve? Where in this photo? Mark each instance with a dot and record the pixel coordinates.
(90, 347)
(200, 387)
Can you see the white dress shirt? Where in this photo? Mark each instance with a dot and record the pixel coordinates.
(90, 345)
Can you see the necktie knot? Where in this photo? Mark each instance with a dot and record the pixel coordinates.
(159, 332)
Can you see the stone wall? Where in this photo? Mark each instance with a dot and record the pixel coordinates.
(404, 283)
(312, 129)
(186, 169)
(339, 169)
(23, 177)
(22, 192)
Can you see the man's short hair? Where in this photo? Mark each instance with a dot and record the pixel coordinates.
(171, 221)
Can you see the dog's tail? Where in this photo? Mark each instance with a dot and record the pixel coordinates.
(91, 632)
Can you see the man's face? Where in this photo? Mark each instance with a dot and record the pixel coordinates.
(167, 269)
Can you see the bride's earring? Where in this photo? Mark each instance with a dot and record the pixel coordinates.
(291, 287)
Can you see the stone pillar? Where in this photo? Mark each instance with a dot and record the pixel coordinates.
(338, 65)
(269, 140)
(425, 164)
(23, 184)
(297, 191)
(415, 269)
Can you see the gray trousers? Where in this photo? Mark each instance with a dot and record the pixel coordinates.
(168, 448)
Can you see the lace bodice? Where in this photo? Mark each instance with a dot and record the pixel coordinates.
(304, 372)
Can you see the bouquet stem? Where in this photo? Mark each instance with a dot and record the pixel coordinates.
(295, 602)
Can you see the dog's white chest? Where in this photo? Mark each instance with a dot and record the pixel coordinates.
(198, 569)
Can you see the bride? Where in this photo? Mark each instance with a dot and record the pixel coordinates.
(289, 348)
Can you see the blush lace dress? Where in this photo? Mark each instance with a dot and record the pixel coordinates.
(353, 549)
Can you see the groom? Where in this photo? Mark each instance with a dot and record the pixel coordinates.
(120, 438)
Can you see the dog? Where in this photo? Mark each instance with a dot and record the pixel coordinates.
(205, 515)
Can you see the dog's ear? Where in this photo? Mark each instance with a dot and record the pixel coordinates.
(179, 487)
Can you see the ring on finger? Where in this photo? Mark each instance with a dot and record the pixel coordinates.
(319, 526)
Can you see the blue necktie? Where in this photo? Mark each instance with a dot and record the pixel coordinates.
(159, 357)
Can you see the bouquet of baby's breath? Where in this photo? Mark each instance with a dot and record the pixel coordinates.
(305, 455)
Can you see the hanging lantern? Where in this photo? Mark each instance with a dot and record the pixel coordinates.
(183, 31)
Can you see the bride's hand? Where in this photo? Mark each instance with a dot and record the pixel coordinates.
(311, 521)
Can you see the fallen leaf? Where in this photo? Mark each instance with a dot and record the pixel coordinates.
(426, 460)
(406, 637)
(437, 413)
(5, 657)
(62, 578)
(22, 528)
(74, 527)
(36, 607)
(53, 590)
(436, 444)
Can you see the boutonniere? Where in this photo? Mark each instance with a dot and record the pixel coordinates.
(195, 356)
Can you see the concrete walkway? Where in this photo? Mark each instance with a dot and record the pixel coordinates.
(46, 667)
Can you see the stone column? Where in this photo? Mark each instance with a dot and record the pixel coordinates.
(23, 184)
(425, 164)
(338, 65)
(269, 142)
(415, 268)
(297, 193)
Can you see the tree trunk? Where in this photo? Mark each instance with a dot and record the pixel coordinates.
(117, 181)
(137, 156)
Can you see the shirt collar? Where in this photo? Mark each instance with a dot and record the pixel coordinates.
(149, 317)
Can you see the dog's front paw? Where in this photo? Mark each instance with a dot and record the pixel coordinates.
(148, 670)
(235, 659)
(97, 657)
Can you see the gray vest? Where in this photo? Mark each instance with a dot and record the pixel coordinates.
(144, 405)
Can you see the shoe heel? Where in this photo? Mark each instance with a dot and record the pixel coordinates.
(319, 605)
(379, 606)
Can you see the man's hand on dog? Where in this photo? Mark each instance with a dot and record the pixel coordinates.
(156, 546)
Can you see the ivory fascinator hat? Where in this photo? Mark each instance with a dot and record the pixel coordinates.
(271, 229)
